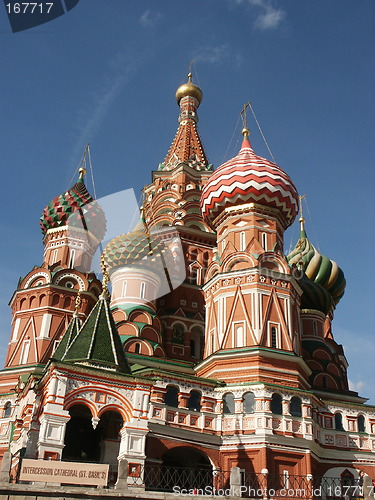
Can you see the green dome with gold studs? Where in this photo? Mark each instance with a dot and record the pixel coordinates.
(136, 247)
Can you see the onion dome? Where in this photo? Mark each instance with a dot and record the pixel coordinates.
(318, 268)
(76, 208)
(189, 89)
(314, 296)
(137, 247)
(249, 178)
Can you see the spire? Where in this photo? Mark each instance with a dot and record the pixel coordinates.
(301, 219)
(98, 342)
(187, 145)
(245, 131)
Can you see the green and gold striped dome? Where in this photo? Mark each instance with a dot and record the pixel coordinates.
(318, 268)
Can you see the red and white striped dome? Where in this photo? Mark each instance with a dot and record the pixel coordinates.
(249, 178)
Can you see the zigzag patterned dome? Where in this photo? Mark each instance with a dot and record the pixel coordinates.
(77, 208)
(249, 178)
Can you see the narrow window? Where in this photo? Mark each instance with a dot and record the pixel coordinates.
(338, 422)
(54, 256)
(228, 404)
(274, 337)
(223, 245)
(194, 276)
(239, 340)
(194, 402)
(124, 288)
(137, 348)
(276, 404)
(295, 407)
(25, 352)
(72, 257)
(212, 343)
(315, 329)
(7, 410)
(264, 241)
(171, 396)
(361, 423)
(143, 290)
(242, 241)
(248, 401)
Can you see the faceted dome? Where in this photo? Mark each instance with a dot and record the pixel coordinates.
(76, 208)
(249, 178)
(317, 267)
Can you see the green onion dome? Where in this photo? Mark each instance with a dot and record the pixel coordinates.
(318, 268)
(76, 208)
(137, 248)
(314, 296)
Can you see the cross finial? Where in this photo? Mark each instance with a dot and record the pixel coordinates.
(78, 303)
(105, 279)
(245, 130)
(301, 219)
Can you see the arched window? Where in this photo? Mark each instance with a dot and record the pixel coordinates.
(295, 407)
(171, 396)
(194, 402)
(276, 404)
(338, 422)
(361, 423)
(7, 409)
(248, 401)
(228, 404)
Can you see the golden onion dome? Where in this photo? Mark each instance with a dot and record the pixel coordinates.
(189, 89)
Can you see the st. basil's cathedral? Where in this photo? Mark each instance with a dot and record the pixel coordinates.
(236, 367)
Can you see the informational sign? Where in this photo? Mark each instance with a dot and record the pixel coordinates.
(50, 471)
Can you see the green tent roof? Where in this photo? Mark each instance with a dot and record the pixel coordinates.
(98, 342)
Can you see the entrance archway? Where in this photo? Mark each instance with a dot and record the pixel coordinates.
(185, 468)
(81, 440)
(184, 456)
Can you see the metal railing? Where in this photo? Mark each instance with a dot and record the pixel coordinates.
(155, 477)
(292, 487)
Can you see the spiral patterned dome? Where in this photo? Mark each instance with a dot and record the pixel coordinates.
(249, 178)
(76, 208)
(136, 247)
(314, 296)
(318, 268)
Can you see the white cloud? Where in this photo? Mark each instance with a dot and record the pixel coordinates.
(149, 19)
(356, 386)
(212, 54)
(269, 17)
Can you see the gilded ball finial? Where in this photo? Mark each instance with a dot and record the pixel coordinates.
(82, 172)
(245, 132)
(189, 89)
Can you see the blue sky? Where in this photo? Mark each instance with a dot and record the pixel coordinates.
(106, 73)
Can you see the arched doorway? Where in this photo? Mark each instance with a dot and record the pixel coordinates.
(184, 456)
(81, 439)
(181, 467)
(108, 431)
